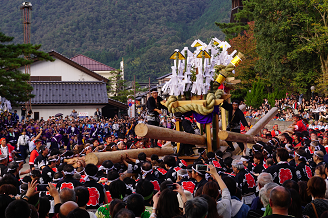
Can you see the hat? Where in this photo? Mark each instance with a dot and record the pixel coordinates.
(235, 101)
(178, 115)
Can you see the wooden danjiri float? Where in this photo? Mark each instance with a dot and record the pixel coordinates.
(196, 86)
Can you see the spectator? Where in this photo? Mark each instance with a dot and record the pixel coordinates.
(66, 208)
(125, 213)
(280, 201)
(18, 209)
(67, 194)
(196, 208)
(265, 197)
(135, 203)
(78, 213)
(316, 187)
(82, 196)
(166, 204)
(74, 114)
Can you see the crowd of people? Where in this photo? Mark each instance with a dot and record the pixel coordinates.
(313, 109)
(287, 176)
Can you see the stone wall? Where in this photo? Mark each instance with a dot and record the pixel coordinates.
(282, 125)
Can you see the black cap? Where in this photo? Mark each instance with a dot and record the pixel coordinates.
(236, 101)
(178, 115)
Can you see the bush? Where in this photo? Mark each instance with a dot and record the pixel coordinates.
(257, 94)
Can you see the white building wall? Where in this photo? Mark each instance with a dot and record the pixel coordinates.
(46, 111)
(58, 68)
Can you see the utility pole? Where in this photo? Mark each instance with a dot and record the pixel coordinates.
(135, 102)
(26, 9)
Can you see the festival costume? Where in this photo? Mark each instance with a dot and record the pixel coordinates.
(234, 122)
(152, 116)
(282, 172)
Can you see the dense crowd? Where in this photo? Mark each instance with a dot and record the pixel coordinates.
(287, 176)
(313, 109)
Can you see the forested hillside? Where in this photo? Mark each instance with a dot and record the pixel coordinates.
(144, 32)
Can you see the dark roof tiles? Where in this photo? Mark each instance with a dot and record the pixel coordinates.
(69, 93)
(91, 64)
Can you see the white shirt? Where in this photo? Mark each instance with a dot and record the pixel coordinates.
(31, 146)
(23, 140)
(4, 150)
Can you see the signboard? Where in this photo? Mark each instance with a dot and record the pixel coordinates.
(83, 114)
(132, 107)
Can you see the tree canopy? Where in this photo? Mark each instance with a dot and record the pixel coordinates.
(291, 41)
(144, 32)
(14, 84)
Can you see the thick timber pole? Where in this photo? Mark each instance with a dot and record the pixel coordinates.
(155, 132)
(115, 156)
(262, 122)
(238, 137)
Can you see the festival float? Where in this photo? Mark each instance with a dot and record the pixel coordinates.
(196, 85)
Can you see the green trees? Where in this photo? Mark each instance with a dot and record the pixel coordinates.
(13, 83)
(118, 87)
(291, 43)
(107, 30)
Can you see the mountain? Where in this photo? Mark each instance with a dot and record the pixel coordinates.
(144, 32)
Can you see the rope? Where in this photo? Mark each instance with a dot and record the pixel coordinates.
(200, 109)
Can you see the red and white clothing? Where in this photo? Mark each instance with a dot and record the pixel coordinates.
(300, 127)
(33, 155)
(275, 133)
(8, 151)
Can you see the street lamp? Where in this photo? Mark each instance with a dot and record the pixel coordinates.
(312, 90)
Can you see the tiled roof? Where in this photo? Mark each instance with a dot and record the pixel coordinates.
(162, 77)
(117, 104)
(69, 93)
(77, 65)
(91, 64)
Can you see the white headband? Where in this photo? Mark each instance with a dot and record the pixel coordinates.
(197, 171)
(69, 173)
(300, 156)
(104, 168)
(87, 177)
(56, 180)
(144, 172)
(183, 176)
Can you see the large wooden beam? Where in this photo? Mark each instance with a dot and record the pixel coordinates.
(155, 132)
(238, 137)
(262, 122)
(97, 158)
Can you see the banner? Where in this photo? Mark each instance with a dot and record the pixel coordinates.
(83, 114)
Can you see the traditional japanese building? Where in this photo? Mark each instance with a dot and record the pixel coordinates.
(64, 85)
